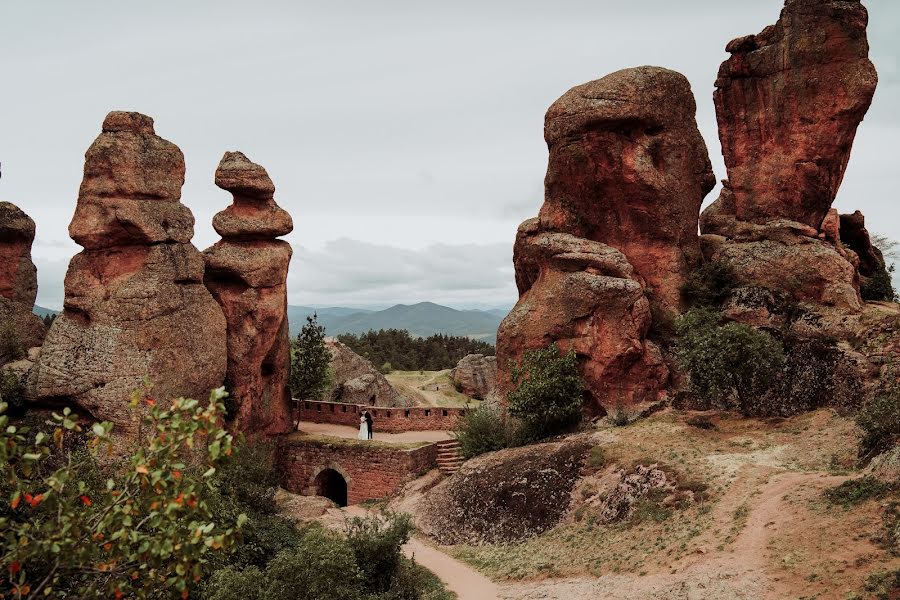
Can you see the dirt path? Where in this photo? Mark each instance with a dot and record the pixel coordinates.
(342, 431)
(463, 580)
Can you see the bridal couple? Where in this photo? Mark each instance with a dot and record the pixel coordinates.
(365, 426)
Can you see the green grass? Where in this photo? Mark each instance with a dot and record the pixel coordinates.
(855, 491)
(352, 442)
(418, 386)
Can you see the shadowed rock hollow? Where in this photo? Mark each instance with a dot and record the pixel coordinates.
(247, 274)
(135, 304)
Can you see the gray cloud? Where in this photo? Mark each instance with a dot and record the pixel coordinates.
(411, 124)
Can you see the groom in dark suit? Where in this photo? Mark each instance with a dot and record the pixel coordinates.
(368, 416)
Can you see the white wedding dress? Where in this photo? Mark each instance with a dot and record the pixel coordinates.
(363, 429)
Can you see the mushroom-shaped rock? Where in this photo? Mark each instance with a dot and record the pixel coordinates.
(135, 306)
(629, 168)
(247, 274)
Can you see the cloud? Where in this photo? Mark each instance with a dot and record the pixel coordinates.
(351, 272)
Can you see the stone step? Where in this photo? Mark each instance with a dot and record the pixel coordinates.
(448, 444)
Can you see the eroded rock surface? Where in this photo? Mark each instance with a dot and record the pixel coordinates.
(629, 168)
(357, 381)
(135, 304)
(475, 375)
(18, 282)
(788, 102)
(247, 274)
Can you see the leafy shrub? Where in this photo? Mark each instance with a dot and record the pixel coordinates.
(710, 285)
(376, 543)
(10, 346)
(620, 417)
(701, 422)
(311, 373)
(880, 422)
(880, 286)
(815, 374)
(855, 491)
(730, 365)
(12, 391)
(386, 369)
(148, 531)
(485, 429)
(884, 585)
(890, 537)
(548, 392)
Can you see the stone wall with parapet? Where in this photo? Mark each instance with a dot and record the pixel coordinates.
(385, 420)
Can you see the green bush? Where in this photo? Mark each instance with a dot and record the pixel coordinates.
(815, 374)
(11, 347)
(547, 392)
(880, 422)
(620, 417)
(12, 391)
(386, 369)
(376, 542)
(709, 285)
(485, 429)
(730, 365)
(880, 286)
(311, 373)
(859, 490)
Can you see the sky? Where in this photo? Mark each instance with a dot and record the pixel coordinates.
(404, 137)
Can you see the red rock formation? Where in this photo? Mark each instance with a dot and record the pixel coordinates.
(135, 305)
(855, 236)
(247, 273)
(475, 375)
(788, 102)
(356, 380)
(629, 168)
(586, 297)
(18, 279)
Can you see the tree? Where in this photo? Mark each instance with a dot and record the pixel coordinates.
(728, 364)
(548, 392)
(710, 285)
(310, 362)
(140, 528)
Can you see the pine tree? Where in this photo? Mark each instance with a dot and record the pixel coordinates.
(310, 362)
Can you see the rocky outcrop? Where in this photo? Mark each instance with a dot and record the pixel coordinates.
(21, 329)
(855, 236)
(627, 173)
(356, 381)
(135, 304)
(788, 102)
(585, 297)
(475, 375)
(247, 274)
(629, 168)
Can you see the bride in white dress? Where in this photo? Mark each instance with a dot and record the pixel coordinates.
(363, 428)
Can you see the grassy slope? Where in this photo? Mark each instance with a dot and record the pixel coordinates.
(419, 387)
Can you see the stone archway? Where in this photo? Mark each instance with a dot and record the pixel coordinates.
(332, 485)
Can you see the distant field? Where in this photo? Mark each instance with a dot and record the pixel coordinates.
(429, 388)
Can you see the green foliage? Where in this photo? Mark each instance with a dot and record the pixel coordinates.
(815, 374)
(890, 537)
(880, 286)
(620, 417)
(376, 542)
(710, 285)
(12, 391)
(407, 353)
(729, 365)
(386, 368)
(364, 564)
(854, 491)
(310, 363)
(880, 422)
(884, 585)
(548, 392)
(486, 429)
(149, 531)
(10, 346)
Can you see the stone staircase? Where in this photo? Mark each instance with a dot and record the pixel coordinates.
(449, 457)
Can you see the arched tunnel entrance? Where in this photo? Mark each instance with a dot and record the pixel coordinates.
(332, 485)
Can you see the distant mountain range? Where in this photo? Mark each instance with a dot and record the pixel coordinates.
(421, 320)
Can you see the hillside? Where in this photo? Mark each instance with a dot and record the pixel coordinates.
(421, 320)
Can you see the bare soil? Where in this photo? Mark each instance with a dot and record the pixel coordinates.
(429, 388)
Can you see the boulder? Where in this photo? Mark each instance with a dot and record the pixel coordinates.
(788, 102)
(20, 328)
(585, 297)
(629, 168)
(246, 272)
(356, 381)
(135, 305)
(855, 236)
(475, 375)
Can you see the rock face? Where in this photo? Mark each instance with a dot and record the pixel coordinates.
(357, 381)
(18, 280)
(475, 375)
(586, 297)
(247, 274)
(629, 168)
(788, 102)
(135, 305)
(855, 236)
(627, 173)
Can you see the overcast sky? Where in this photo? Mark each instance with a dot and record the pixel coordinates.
(405, 138)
